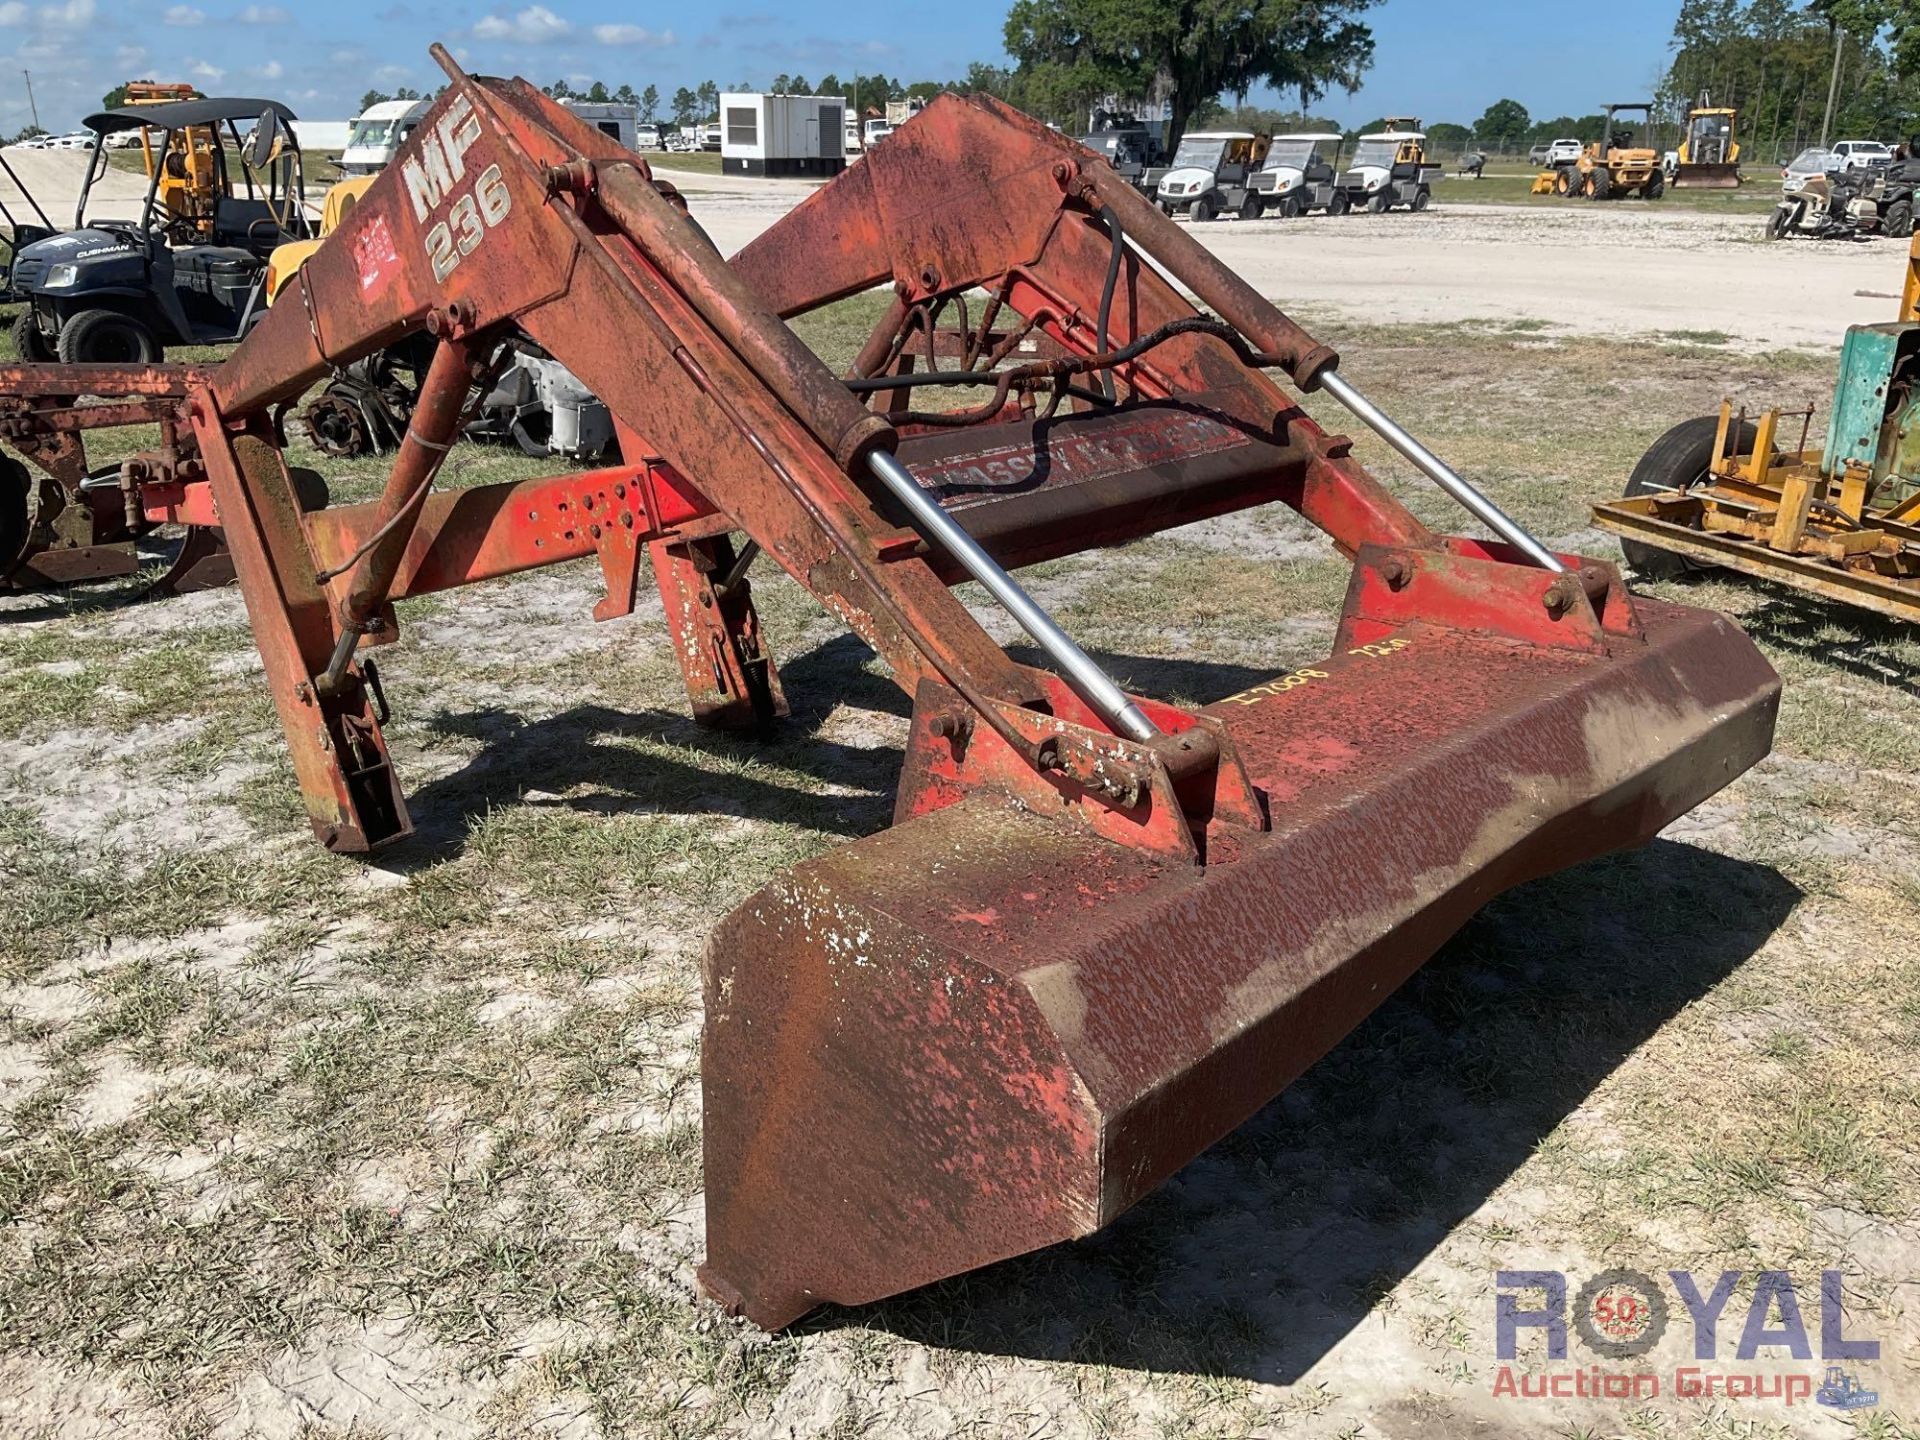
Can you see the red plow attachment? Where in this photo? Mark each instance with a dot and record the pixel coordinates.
(1103, 929)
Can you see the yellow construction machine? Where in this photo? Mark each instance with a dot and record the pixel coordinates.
(286, 260)
(1612, 166)
(1709, 156)
(1841, 521)
(184, 160)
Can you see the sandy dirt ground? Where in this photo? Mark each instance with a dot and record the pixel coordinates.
(327, 1148)
(1625, 269)
(53, 178)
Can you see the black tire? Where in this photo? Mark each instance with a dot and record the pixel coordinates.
(28, 343)
(106, 337)
(1253, 207)
(1377, 204)
(1340, 204)
(1678, 460)
(1898, 220)
(1422, 198)
(1785, 219)
(1563, 182)
(1655, 187)
(1292, 207)
(1599, 183)
(1204, 208)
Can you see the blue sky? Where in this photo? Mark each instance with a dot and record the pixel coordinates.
(1442, 61)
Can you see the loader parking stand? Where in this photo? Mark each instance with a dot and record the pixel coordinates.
(1407, 867)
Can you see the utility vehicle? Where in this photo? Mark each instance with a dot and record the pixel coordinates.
(121, 291)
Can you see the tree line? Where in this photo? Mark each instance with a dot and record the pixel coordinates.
(1775, 60)
(1779, 61)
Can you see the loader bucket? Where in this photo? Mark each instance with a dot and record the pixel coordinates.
(1706, 177)
(983, 1032)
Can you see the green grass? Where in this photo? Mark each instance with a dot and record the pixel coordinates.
(686, 162)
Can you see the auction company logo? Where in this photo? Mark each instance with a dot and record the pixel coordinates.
(1621, 1314)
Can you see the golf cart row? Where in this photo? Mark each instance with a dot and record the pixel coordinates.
(1216, 172)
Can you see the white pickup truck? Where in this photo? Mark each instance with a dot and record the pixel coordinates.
(1563, 152)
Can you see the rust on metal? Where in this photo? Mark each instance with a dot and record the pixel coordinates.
(1085, 949)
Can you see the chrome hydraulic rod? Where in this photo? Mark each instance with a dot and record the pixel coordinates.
(1089, 681)
(1436, 470)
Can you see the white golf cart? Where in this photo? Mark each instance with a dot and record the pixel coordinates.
(1389, 170)
(1212, 172)
(1301, 173)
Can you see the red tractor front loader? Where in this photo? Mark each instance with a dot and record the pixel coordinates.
(1103, 930)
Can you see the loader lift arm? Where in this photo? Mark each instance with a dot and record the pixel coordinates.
(1103, 929)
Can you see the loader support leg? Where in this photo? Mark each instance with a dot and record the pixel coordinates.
(731, 680)
(352, 797)
(436, 416)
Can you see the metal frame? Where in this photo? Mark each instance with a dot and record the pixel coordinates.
(1812, 521)
(1104, 929)
(1781, 517)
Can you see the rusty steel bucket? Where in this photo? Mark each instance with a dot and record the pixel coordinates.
(983, 1032)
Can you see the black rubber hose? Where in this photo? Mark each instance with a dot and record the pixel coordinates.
(1106, 292)
(1077, 365)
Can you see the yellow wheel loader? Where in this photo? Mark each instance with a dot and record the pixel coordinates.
(1612, 166)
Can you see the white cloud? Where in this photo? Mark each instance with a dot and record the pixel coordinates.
(184, 16)
(262, 15)
(272, 70)
(71, 15)
(631, 35)
(535, 25)
(13, 13)
(201, 70)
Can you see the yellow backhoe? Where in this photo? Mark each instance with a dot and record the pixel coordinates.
(1709, 157)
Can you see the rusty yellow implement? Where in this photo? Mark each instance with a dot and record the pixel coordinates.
(1780, 516)
(1841, 521)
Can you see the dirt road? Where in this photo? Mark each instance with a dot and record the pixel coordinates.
(52, 177)
(1616, 270)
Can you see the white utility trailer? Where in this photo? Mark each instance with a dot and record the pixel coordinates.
(783, 134)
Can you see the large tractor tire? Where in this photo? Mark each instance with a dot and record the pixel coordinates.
(1898, 221)
(1599, 183)
(28, 343)
(1563, 182)
(1678, 460)
(1655, 187)
(106, 337)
